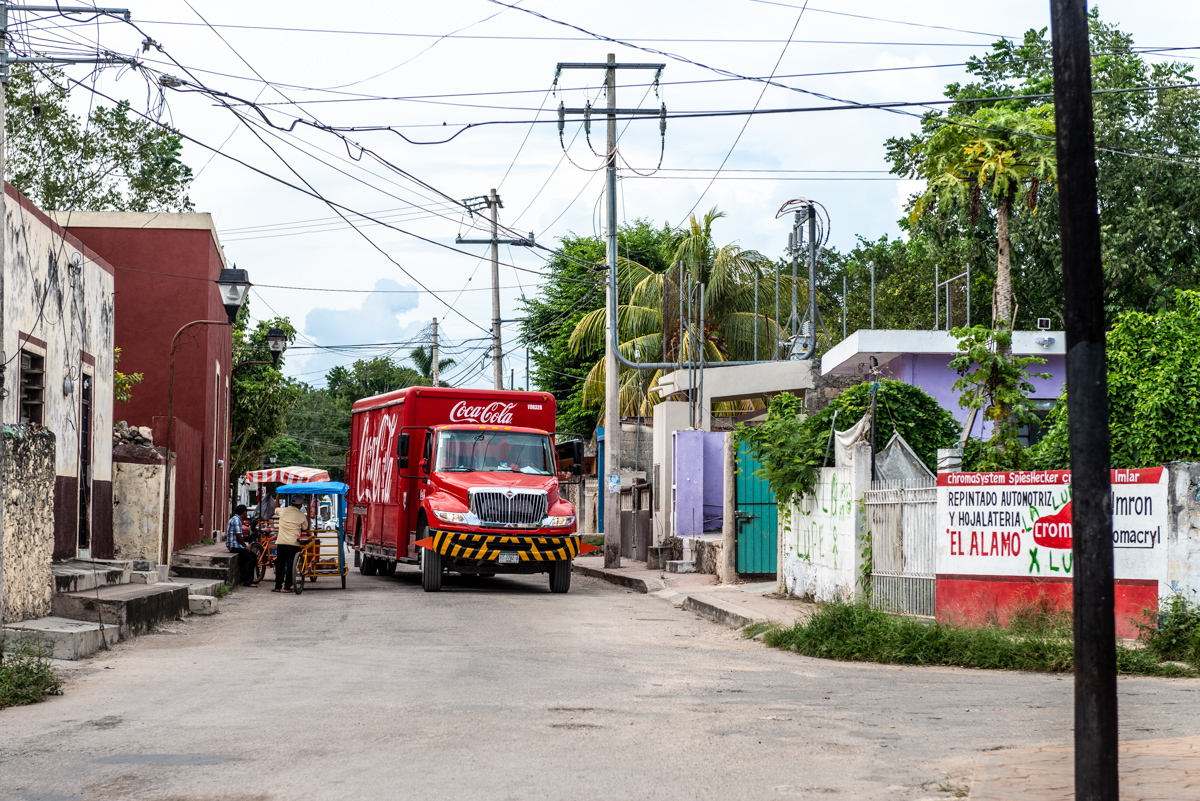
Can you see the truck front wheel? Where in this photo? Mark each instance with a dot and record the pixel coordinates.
(560, 576)
(431, 563)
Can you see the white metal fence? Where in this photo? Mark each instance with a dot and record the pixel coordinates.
(900, 518)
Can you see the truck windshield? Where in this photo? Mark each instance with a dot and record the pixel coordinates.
(493, 452)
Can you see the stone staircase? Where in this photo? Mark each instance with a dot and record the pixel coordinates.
(98, 602)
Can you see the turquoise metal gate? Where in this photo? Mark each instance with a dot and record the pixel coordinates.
(757, 519)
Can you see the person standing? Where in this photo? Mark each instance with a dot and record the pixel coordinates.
(293, 522)
(237, 545)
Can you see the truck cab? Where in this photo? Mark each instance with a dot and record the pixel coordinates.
(458, 480)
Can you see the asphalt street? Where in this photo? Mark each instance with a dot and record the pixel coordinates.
(496, 689)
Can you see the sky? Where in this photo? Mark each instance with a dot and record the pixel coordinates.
(405, 73)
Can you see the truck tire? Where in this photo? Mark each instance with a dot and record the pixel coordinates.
(388, 568)
(369, 566)
(431, 570)
(560, 576)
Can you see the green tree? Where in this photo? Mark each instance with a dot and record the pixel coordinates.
(993, 380)
(123, 383)
(422, 359)
(318, 429)
(368, 377)
(727, 332)
(112, 161)
(572, 288)
(793, 447)
(1153, 390)
(261, 396)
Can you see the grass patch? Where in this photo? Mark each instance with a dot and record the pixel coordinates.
(597, 542)
(26, 675)
(1173, 631)
(222, 591)
(755, 629)
(1036, 640)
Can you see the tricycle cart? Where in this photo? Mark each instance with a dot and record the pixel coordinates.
(323, 551)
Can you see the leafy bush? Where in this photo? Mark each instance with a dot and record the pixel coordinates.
(792, 448)
(856, 632)
(1153, 390)
(26, 675)
(1173, 631)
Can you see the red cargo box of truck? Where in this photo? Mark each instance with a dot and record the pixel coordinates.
(458, 480)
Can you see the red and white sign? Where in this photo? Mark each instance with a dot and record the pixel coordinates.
(496, 414)
(1006, 537)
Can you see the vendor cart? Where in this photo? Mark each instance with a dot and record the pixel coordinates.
(323, 551)
(264, 548)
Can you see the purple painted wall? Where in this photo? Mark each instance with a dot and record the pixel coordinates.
(931, 372)
(699, 482)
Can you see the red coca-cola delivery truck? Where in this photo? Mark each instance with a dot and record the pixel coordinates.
(459, 480)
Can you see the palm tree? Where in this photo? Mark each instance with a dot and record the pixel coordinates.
(422, 359)
(727, 332)
(1003, 152)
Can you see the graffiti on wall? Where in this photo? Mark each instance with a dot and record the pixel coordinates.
(1019, 524)
(821, 518)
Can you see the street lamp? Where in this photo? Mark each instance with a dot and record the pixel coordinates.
(273, 458)
(276, 339)
(233, 284)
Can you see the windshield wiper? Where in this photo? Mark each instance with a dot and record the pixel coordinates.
(459, 469)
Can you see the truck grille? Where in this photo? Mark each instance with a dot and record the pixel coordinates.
(508, 507)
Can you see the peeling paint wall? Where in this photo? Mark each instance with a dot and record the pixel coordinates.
(1183, 533)
(137, 503)
(28, 487)
(58, 303)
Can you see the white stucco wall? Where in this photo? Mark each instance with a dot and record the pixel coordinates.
(57, 294)
(823, 538)
(137, 511)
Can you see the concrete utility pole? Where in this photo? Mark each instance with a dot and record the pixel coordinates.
(611, 485)
(5, 60)
(492, 201)
(433, 366)
(1096, 776)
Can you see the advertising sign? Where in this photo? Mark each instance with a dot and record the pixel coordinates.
(1019, 524)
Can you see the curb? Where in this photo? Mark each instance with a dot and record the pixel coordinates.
(716, 610)
(722, 612)
(616, 577)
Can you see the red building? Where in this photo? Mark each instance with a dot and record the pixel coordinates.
(166, 268)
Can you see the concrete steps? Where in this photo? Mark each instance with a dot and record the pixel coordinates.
(67, 639)
(78, 575)
(680, 566)
(197, 586)
(207, 564)
(133, 608)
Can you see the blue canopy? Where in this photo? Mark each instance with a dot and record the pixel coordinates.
(314, 488)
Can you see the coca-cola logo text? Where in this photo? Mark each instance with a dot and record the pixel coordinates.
(494, 413)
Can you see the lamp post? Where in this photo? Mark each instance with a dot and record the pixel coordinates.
(233, 284)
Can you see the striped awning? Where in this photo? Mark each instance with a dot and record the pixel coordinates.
(286, 475)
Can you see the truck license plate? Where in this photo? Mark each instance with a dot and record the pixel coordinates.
(509, 558)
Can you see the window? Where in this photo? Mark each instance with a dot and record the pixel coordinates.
(465, 451)
(33, 387)
(1041, 409)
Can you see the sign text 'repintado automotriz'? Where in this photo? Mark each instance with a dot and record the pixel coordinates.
(1019, 524)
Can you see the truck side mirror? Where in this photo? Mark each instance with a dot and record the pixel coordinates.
(577, 469)
(577, 455)
(402, 449)
(424, 465)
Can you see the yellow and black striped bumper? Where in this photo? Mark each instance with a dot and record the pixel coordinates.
(488, 547)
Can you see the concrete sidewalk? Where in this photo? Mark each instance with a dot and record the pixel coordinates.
(1165, 769)
(735, 605)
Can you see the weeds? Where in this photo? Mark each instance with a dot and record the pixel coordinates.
(222, 591)
(1039, 641)
(26, 675)
(1172, 632)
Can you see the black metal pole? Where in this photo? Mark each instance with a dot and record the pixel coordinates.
(1087, 408)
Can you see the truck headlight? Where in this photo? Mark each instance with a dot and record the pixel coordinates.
(558, 522)
(451, 517)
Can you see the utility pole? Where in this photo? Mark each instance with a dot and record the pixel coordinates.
(5, 60)
(492, 202)
(1096, 777)
(611, 485)
(433, 365)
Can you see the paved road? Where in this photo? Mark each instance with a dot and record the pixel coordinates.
(498, 690)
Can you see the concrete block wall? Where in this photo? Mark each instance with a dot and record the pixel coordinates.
(28, 488)
(137, 503)
(1183, 531)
